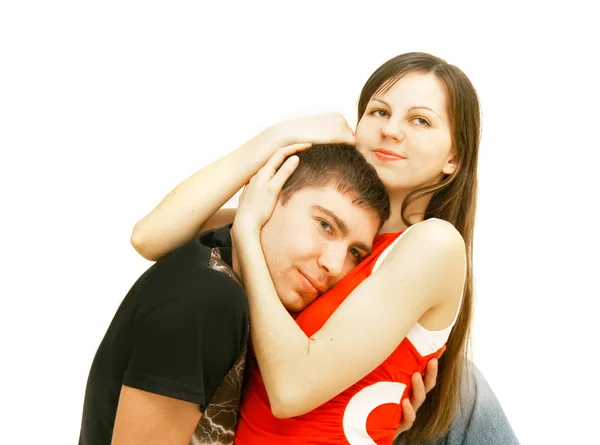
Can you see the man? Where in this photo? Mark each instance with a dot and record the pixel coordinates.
(170, 366)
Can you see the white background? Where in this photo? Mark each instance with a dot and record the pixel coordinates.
(106, 106)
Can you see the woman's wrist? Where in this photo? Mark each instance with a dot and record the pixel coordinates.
(245, 230)
(279, 135)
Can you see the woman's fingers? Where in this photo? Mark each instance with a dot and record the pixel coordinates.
(408, 417)
(431, 374)
(283, 174)
(289, 150)
(418, 391)
(277, 159)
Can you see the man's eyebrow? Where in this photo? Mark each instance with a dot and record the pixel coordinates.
(336, 219)
(341, 226)
(364, 247)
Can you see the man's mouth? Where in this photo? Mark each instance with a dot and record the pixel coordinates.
(310, 284)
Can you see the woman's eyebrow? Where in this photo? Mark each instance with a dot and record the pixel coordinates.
(413, 107)
(416, 107)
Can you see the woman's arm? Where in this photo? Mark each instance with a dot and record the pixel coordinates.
(183, 212)
(221, 218)
(424, 271)
(300, 373)
(188, 207)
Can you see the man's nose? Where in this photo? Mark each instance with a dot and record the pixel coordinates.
(333, 259)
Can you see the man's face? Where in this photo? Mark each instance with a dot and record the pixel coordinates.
(313, 241)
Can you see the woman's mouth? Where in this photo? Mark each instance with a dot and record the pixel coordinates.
(387, 155)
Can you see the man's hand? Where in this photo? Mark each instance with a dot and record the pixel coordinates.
(420, 387)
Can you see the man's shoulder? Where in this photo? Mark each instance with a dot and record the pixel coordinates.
(220, 244)
(198, 253)
(186, 278)
(216, 238)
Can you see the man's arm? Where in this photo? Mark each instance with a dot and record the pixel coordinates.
(147, 418)
(190, 327)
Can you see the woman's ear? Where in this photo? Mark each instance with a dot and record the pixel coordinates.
(450, 166)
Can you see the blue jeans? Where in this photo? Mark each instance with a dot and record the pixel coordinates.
(483, 421)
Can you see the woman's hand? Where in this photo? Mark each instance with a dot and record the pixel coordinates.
(320, 129)
(421, 385)
(182, 214)
(257, 202)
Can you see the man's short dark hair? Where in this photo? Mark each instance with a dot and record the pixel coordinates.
(343, 167)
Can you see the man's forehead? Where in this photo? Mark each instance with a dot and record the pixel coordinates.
(331, 199)
(330, 194)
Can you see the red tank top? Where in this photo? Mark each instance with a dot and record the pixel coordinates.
(369, 411)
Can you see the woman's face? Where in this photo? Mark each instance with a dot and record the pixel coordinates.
(405, 133)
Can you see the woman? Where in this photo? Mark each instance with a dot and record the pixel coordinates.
(419, 126)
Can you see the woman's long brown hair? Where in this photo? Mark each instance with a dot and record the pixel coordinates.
(454, 200)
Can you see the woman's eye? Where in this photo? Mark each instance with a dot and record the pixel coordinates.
(422, 121)
(379, 113)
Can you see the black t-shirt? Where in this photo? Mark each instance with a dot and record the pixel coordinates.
(181, 332)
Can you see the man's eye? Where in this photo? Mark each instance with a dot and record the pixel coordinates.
(324, 225)
(355, 253)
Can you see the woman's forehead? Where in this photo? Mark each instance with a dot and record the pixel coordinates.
(414, 90)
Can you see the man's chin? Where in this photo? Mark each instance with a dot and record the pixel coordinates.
(294, 302)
